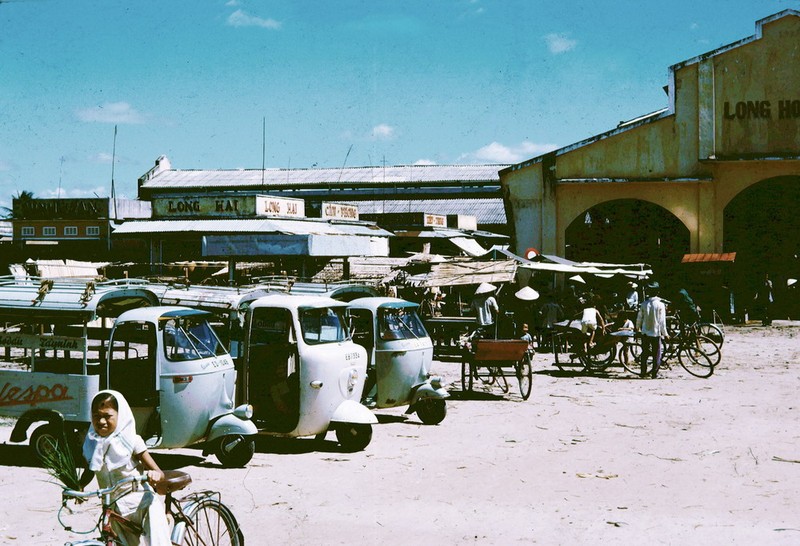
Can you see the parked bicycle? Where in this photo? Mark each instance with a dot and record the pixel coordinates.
(198, 519)
(695, 352)
(570, 347)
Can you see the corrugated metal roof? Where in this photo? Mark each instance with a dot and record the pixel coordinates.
(267, 225)
(486, 211)
(178, 179)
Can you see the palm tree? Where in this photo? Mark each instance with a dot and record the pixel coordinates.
(23, 199)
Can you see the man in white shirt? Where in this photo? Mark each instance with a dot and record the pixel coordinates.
(651, 322)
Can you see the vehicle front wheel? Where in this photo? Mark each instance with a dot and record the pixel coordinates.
(46, 439)
(353, 436)
(235, 450)
(431, 411)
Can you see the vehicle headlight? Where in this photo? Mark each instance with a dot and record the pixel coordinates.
(245, 411)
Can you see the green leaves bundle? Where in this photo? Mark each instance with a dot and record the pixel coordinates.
(60, 464)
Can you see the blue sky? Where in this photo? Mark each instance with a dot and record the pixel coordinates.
(439, 81)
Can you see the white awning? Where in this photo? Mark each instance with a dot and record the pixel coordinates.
(469, 246)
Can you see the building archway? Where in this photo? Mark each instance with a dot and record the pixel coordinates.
(762, 225)
(627, 231)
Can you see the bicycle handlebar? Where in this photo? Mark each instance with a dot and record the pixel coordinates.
(67, 494)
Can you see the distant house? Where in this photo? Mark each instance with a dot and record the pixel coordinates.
(74, 228)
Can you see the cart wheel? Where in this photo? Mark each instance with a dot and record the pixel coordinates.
(525, 375)
(431, 411)
(466, 375)
(353, 436)
(235, 450)
(556, 344)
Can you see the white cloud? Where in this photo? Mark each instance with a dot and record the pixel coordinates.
(499, 153)
(241, 19)
(104, 158)
(4, 166)
(425, 162)
(559, 43)
(232, 3)
(111, 112)
(383, 132)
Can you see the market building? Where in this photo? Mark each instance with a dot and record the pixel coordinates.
(72, 228)
(301, 219)
(447, 190)
(715, 171)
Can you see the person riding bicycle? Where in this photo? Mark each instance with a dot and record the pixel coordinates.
(113, 451)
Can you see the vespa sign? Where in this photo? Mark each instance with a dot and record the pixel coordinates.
(71, 395)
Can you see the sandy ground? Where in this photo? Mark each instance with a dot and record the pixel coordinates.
(586, 460)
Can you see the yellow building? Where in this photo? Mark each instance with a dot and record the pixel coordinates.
(717, 170)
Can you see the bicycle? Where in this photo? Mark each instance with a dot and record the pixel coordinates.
(198, 519)
(696, 353)
(569, 339)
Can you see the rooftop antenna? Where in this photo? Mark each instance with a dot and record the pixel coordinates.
(263, 148)
(350, 149)
(113, 163)
(60, 174)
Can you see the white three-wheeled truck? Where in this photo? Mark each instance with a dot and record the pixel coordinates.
(298, 365)
(400, 354)
(60, 350)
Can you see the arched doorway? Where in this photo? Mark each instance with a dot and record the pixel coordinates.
(627, 231)
(762, 225)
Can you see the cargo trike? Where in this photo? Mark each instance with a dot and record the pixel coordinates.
(400, 354)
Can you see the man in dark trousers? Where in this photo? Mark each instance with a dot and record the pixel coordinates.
(651, 323)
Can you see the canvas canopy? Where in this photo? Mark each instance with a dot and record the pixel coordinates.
(465, 272)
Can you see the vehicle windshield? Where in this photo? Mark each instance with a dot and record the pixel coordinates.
(190, 338)
(326, 325)
(400, 323)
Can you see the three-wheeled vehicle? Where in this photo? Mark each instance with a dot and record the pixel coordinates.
(61, 349)
(298, 366)
(304, 373)
(400, 354)
(180, 382)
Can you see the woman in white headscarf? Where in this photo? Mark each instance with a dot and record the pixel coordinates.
(113, 452)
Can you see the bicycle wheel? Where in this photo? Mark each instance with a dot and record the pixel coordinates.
(709, 348)
(712, 331)
(634, 348)
(489, 377)
(207, 522)
(499, 377)
(695, 361)
(525, 376)
(601, 356)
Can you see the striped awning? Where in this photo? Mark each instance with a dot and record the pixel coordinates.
(712, 257)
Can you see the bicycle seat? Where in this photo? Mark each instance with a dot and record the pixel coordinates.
(174, 480)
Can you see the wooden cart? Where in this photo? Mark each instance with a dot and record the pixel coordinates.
(492, 361)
